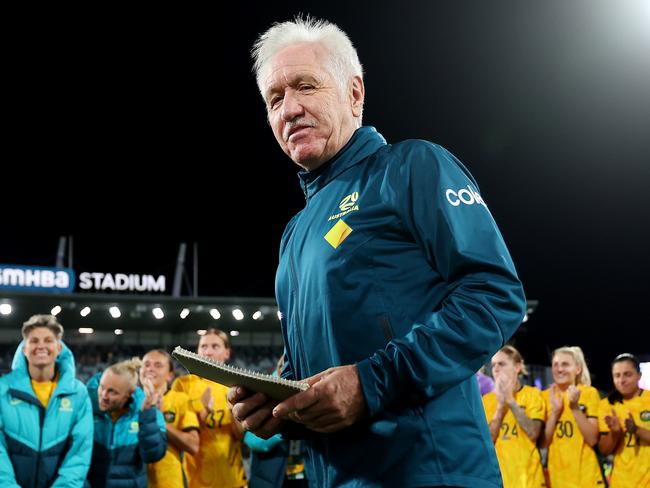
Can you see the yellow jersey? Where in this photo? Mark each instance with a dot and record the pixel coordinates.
(44, 389)
(572, 463)
(169, 472)
(219, 461)
(632, 456)
(519, 459)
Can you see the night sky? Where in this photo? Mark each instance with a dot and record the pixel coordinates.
(134, 135)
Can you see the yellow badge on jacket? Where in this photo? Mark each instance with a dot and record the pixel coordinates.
(338, 233)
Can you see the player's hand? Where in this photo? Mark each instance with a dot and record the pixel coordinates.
(573, 395)
(630, 425)
(505, 385)
(254, 412)
(334, 401)
(151, 396)
(613, 423)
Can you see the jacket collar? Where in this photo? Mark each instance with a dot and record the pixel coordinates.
(364, 142)
(65, 366)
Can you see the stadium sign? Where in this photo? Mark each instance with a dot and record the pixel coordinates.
(121, 282)
(36, 278)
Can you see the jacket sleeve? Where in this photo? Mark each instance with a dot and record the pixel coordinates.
(152, 436)
(7, 474)
(258, 444)
(439, 205)
(75, 465)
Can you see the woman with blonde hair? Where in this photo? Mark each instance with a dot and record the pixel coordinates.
(571, 430)
(129, 428)
(515, 413)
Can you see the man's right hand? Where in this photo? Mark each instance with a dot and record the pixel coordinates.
(254, 412)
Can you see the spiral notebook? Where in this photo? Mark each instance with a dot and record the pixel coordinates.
(274, 387)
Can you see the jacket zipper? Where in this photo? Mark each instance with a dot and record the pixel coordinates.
(297, 324)
(41, 412)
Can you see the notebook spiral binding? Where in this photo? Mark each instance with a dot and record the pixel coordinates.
(180, 353)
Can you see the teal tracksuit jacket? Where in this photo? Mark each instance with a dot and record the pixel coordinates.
(44, 447)
(396, 265)
(122, 449)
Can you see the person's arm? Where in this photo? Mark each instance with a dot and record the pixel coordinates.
(7, 473)
(461, 243)
(152, 435)
(609, 441)
(185, 436)
(633, 429)
(502, 392)
(74, 467)
(549, 430)
(557, 406)
(257, 444)
(207, 402)
(496, 421)
(187, 441)
(530, 426)
(643, 434)
(588, 426)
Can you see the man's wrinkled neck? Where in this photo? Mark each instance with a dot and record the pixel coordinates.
(314, 165)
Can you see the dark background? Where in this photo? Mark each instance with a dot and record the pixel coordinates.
(134, 131)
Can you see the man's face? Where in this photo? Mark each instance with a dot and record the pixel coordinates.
(212, 346)
(310, 117)
(113, 392)
(155, 367)
(41, 347)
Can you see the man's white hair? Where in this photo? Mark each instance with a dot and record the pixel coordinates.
(344, 60)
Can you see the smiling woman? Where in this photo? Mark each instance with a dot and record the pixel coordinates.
(42, 404)
(42, 336)
(571, 429)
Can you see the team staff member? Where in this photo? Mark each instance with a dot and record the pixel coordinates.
(180, 420)
(218, 463)
(129, 428)
(394, 284)
(624, 421)
(571, 429)
(46, 423)
(516, 416)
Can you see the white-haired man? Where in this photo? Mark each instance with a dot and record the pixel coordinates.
(394, 284)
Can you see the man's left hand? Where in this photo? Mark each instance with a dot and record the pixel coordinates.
(334, 401)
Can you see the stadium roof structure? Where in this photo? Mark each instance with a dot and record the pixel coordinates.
(107, 312)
